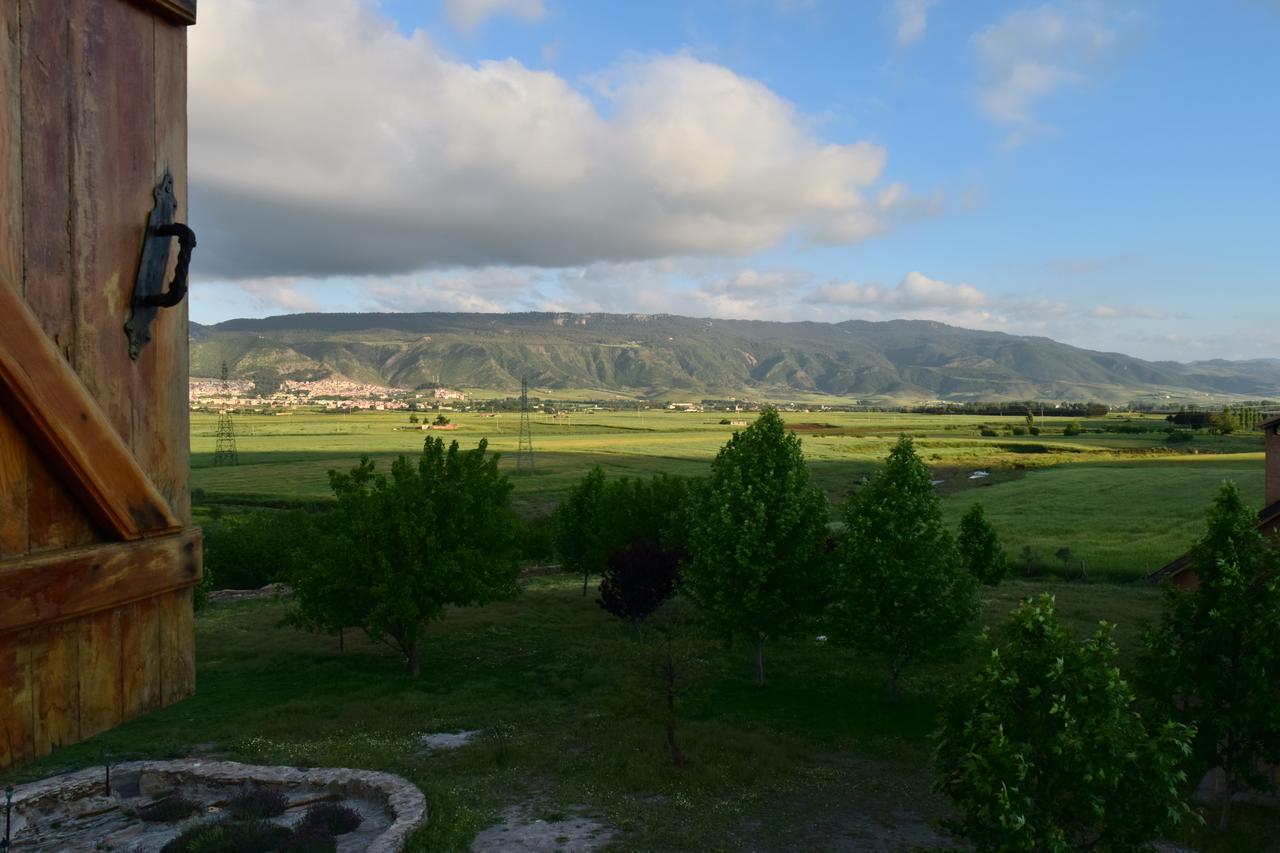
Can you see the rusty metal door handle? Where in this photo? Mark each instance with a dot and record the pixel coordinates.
(177, 287)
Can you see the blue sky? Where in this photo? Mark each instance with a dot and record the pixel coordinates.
(1103, 173)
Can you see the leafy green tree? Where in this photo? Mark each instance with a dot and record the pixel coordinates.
(757, 533)
(1043, 751)
(901, 589)
(398, 550)
(1226, 422)
(581, 533)
(980, 548)
(441, 420)
(1072, 428)
(1213, 660)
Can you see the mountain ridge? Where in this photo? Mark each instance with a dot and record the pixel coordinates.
(660, 355)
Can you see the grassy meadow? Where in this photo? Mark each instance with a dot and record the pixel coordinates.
(823, 758)
(1123, 503)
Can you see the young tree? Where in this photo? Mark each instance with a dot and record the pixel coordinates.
(1213, 660)
(638, 579)
(756, 532)
(901, 589)
(441, 420)
(980, 548)
(581, 532)
(399, 550)
(1043, 751)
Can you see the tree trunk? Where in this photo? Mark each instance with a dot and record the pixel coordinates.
(414, 653)
(1224, 817)
(586, 576)
(760, 661)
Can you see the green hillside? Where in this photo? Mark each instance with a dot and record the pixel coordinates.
(664, 355)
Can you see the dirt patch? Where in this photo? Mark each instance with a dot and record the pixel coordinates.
(521, 833)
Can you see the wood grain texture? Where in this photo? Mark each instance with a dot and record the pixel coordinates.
(13, 488)
(48, 402)
(10, 144)
(16, 712)
(140, 656)
(98, 672)
(177, 648)
(79, 581)
(113, 164)
(46, 168)
(161, 440)
(55, 686)
(55, 520)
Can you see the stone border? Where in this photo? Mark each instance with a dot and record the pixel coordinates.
(402, 797)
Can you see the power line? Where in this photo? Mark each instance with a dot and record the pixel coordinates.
(524, 445)
(224, 452)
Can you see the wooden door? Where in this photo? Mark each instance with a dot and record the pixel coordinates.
(98, 555)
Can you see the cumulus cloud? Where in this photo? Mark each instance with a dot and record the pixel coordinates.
(911, 18)
(1112, 312)
(915, 292)
(329, 143)
(1032, 53)
(468, 15)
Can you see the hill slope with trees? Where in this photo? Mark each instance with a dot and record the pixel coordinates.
(656, 356)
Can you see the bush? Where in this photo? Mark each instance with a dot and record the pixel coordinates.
(248, 550)
(1018, 430)
(989, 433)
(224, 836)
(638, 579)
(1044, 751)
(168, 809)
(254, 802)
(1073, 428)
(1035, 430)
(537, 538)
(1179, 436)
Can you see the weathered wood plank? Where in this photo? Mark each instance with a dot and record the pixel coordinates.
(55, 519)
(177, 649)
(58, 416)
(13, 489)
(55, 667)
(10, 145)
(16, 711)
(140, 658)
(112, 170)
(98, 672)
(75, 582)
(46, 168)
(161, 440)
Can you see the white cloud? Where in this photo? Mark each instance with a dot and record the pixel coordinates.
(469, 15)
(326, 142)
(1111, 312)
(1032, 53)
(911, 18)
(915, 292)
(278, 294)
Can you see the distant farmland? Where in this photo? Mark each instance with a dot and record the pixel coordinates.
(1123, 503)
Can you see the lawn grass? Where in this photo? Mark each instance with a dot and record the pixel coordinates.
(556, 673)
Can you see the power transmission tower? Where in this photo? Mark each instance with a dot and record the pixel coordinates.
(224, 452)
(524, 446)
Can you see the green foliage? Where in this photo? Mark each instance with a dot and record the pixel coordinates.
(248, 550)
(397, 551)
(582, 539)
(980, 548)
(902, 588)
(989, 433)
(601, 517)
(538, 538)
(229, 837)
(257, 802)
(1034, 430)
(1043, 751)
(1213, 660)
(1179, 436)
(756, 534)
(1073, 428)
(441, 420)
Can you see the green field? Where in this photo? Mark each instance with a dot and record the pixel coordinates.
(822, 757)
(1123, 503)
